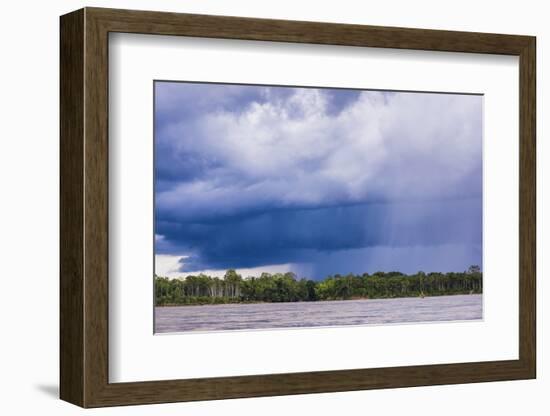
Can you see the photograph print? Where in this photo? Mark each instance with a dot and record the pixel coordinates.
(295, 207)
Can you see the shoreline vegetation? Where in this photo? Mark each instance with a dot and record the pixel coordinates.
(286, 287)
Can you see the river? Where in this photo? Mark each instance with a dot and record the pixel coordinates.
(314, 314)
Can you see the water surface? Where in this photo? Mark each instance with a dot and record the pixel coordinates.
(312, 314)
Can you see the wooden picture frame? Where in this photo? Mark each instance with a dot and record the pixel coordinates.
(84, 207)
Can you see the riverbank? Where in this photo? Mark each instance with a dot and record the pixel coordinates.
(243, 302)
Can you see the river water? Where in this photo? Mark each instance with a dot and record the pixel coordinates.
(313, 314)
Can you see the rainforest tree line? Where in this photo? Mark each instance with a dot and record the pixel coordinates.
(286, 287)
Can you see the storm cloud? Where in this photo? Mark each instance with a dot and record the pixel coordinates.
(328, 180)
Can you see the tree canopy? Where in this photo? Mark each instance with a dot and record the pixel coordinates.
(287, 287)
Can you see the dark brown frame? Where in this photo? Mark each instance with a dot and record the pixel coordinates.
(84, 210)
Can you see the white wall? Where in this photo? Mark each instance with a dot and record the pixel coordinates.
(29, 208)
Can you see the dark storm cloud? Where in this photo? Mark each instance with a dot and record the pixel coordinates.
(253, 176)
(298, 235)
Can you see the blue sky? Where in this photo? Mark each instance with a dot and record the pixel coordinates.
(316, 181)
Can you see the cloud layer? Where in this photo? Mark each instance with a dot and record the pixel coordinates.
(249, 176)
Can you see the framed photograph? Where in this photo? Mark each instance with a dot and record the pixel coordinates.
(254, 207)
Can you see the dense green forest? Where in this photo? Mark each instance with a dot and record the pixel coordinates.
(279, 287)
